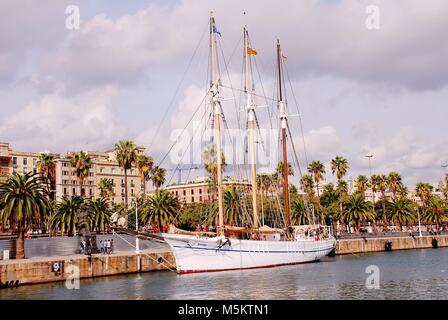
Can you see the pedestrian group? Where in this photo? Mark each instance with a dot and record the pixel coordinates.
(107, 246)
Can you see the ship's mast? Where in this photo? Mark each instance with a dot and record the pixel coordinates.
(216, 104)
(251, 126)
(283, 123)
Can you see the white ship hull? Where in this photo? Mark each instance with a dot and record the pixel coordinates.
(201, 254)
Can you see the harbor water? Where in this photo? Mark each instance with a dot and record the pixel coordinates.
(408, 274)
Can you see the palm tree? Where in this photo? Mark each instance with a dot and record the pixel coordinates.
(65, 218)
(106, 187)
(357, 209)
(210, 159)
(394, 182)
(424, 191)
(100, 212)
(362, 184)
(161, 209)
(401, 211)
(82, 163)
(126, 152)
(374, 182)
(47, 168)
(299, 212)
(317, 169)
(144, 165)
(339, 166)
(24, 204)
(307, 185)
(158, 176)
(380, 183)
(232, 205)
(290, 170)
(436, 212)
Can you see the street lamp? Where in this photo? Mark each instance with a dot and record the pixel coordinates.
(370, 156)
(137, 240)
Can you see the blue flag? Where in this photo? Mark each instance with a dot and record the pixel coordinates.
(215, 30)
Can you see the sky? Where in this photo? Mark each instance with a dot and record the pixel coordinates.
(137, 68)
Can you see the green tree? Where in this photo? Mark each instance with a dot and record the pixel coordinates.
(339, 166)
(424, 192)
(161, 209)
(394, 183)
(65, 218)
(82, 163)
(317, 169)
(299, 212)
(158, 176)
(126, 152)
(46, 165)
(24, 204)
(362, 183)
(357, 210)
(100, 212)
(232, 205)
(307, 185)
(210, 159)
(289, 168)
(106, 187)
(436, 212)
(144, 165)
(401, 211)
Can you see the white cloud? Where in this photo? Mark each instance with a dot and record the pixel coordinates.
(59, 123)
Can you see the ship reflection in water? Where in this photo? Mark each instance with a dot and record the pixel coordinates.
(412, 274)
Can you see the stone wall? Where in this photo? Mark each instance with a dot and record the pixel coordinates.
(39, 270)
(347, 246)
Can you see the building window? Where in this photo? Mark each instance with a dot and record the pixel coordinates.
(83, 192)
(25, 170)
(90, 192)
(74, 191)
(200, 190)
(34, 170)
(91, 174)
(200, 198)
(65, 173)
(34, 161)
(14, 160)
(25, 161)
(14, 169)
(192, 191)
(64, 164)
(65, 191)
(185, 192)
(177, 193)
(132, 191)
(74, 182)
(192, 199)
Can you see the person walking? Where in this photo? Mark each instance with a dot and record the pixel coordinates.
(101, 247)
(108, 246)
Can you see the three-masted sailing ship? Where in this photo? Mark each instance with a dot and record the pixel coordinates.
(264, 246)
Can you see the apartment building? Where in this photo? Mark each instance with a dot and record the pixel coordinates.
(198, 191)
(17, 161)
(104, 165)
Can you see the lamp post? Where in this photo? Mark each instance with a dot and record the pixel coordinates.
(331, 225)
(419, 225)
(137, 240)
(370, 156)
